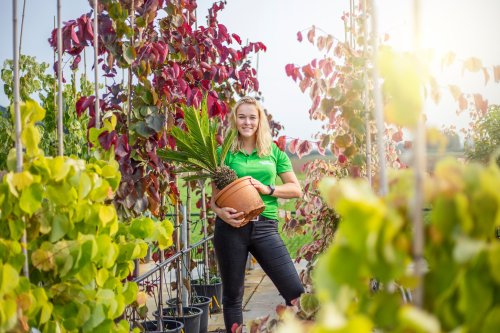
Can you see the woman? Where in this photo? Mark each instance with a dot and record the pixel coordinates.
(254, 154)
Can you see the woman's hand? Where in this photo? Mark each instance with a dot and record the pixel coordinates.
(263, 189)
(231, 216)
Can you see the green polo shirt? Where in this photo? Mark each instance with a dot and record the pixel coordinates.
(264, 169)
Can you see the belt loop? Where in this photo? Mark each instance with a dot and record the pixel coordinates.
(255, 219)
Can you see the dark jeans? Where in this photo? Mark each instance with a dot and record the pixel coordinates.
(262, 240)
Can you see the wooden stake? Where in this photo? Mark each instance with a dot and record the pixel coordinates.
(419, 169)
(60, 134)
(379, 116)
(96, 70)
(367, 96)
(18, 124)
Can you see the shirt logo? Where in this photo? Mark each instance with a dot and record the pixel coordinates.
(266, 162)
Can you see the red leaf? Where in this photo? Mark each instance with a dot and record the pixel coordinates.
(481, 104)
(237, 38)
(308, 70)
(472, 64)
(74, 37)
(292, 147)
(315, 104)
(310, 34)
(496, 73)
(83, 103)
(289, 69)
(299, 36)
(462, 102)
(76, 61)
(106, 139)
(281, 143)
(398, 136)
(304, 148)
(486, 76)
(354, 171)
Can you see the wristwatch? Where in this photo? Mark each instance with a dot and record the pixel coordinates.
(272, 188)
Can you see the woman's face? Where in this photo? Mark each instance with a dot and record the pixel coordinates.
(247, 120)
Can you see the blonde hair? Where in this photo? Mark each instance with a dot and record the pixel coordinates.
(264, 139)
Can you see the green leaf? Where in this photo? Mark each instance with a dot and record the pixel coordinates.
(417, 320)
(142, 228)
(19, 181)
(30, 138)
(8, 309)
(130, 291)
(31, 198)
(95, 319)
(62, 195)
(226, 145)
(494, 261)
(129, 53)
(86, 274)
(309, 304)
(43, 260)
(31, 112)
(101, 277)
(59, 168)
(156, 122)
(9, 278)
(492, 321)
(60, 226)
(107, 214)
(84, 186)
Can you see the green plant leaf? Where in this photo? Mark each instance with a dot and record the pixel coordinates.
(309, 304)
(418, 320)
(31, 198)
(9, 278)
(59, 169)
(107, 214)
(142, 228)
(43, 260)
(129, 53)
(226, 145)
(60, 226)
(30, 138)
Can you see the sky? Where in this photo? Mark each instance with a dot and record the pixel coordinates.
(466, 27)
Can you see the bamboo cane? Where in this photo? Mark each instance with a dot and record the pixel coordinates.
(379, 117)
(22, 28)
(18, 125)
(188, 229)
(206, 272)
(96, 70)
(129, 83)
(178, 248)
(60, 134)
(367, 96)
(419, 169)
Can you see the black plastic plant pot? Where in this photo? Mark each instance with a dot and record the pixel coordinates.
(213, 291)
(190, 319)
(200, 302)
(169, 326)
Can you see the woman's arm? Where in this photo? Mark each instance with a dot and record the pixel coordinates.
(290, 188)
(227, 214)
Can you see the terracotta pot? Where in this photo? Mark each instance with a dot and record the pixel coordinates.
(242, 196)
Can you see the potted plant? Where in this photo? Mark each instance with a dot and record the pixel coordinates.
(197, 152)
